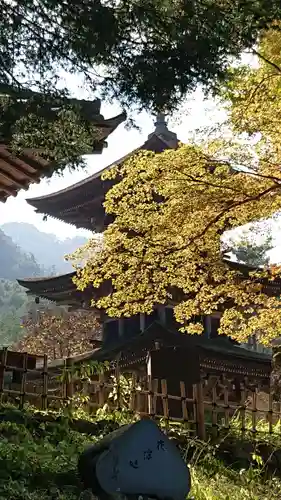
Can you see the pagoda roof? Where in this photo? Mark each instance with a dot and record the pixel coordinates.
(269, 287)
(81, 204)
(19, 170)
(62, 290)
(59, 289)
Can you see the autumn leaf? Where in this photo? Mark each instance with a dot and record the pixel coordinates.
(59, 336)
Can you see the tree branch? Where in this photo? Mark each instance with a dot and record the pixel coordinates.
(230, 207)
(271, 63)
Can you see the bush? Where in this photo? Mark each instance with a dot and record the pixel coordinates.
(38, 460)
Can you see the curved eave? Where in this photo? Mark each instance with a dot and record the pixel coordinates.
(49, 281)
(62, 290)
(63, 199)
(58, 289)
(17, 172)
(215, 356)
(81, 204)
(270, 287)
(49, 287)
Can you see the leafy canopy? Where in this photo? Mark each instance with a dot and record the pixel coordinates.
(253, 97)
(148, 52)
(61, 130)
(170, 211)
(145, 53)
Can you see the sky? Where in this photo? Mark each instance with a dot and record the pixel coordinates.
(195, 112)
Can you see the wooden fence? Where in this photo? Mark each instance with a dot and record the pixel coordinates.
(206, 407)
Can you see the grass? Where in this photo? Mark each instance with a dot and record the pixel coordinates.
(213, 480)
(224, 486)
(38, 461)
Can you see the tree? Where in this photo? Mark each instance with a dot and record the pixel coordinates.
(252, 97)
(13, 302)
(61, 130)
(170, 211)
(248, 250)
(59, 336)
(144, 53)
(149, 52)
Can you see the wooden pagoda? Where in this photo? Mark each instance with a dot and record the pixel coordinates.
(82, 206)
(19, 170)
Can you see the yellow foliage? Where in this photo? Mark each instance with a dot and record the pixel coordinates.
(170, 210)
(255, 97)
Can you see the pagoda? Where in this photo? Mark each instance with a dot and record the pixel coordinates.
(20, 169)
(82, 206)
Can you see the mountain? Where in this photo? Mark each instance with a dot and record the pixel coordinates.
(46, 248)
(15, 263)
(26, 252)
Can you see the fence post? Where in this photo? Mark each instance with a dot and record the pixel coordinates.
(165, 402)
(119, 395)
(152, 386)
(3, 365)
(132, 405)
(183, 402)
(69, 379)
(200, 413)
(270, 412)
(101, 388)
(23, 379)
(44, 401)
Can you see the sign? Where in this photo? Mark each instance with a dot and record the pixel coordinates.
(138, 460)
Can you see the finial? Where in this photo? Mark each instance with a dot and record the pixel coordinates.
(162, 131)
(160, 124)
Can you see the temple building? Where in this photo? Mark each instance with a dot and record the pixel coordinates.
(82, 206)
(18, 171)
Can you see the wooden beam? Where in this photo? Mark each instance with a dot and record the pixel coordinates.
(85, 207)
(64, 293)
(9, 178)
(7, 190)
(11, 162)
(3, 196)
(39, 165)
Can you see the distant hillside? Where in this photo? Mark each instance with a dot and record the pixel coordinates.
(26, 252)
(47, 249)
(14, 262)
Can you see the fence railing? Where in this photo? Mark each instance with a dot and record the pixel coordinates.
(209, 407)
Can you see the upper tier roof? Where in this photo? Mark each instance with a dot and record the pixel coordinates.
(19, 171)
(82, 203)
